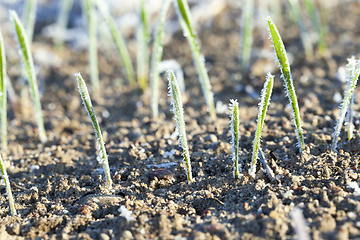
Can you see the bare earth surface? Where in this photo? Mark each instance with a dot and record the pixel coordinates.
(59, 186)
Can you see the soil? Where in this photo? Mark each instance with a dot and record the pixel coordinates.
(59, 187)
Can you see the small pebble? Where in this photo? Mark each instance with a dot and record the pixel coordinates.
(161, 173)
(127, 234)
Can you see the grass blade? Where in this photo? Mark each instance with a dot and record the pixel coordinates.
(29, 17)
(89, 10)
(246, 34)
(24, 47)
(350, 113)
(234, 130)
(8, 188)
(263, 105)
(183, 11)
(62, 21)
(101, 146)
(344, 105)
(174, 92)
(284, 66)
(173, 64)
(3, 92)
(119, 41)
(156, 58)
(143, 52)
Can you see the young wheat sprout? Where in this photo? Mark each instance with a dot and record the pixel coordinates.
(183, 11)
(345, 104)
(174, 92)
(89, 108)
(62, 23)
(173, 64)
(350, 113)
(142, 52)
(89, 11)
(234, 130)
(28, 62)
(3, 91)
(246, 34)
(8, 188)
(119, 41)
(263, 105)
(156, 58)
(284, 66)
(29, 17)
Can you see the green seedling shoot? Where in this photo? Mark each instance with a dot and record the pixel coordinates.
(246, 34)
(174, 92)
(102, 157)
(8, 188)
(183, 11)
(29, 17)
(62, 22)
(89, 11)
(3, 91)
(304, 35)
(263, 105)
(234, 130)
(316, 22)
(119, 41)
(156, 59)
(350, 113)
(143, 52)
(173, 64)
(284, 66)
(28, 62)
(345, 104)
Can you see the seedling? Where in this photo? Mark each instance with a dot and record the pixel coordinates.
(89, 11)
(345, 103)
(29, 17)
(183, 11)
(316, 22)
(119, 41)
(8, 188)
(246, 34)
(28, 62)
(174, 92)
(350, 113)
(305, 38)
(263, 105)
(173, 64)
(62, 22)
(143, 52)
(284, 66)
(3, 91)
(156, 58)
(234, 130)
(102, 157)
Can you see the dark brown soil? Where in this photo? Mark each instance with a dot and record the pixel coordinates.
(59, 187)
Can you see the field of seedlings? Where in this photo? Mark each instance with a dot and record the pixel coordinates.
(179, 119)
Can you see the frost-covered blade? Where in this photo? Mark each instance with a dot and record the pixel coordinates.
(234, 130)
(284, 66)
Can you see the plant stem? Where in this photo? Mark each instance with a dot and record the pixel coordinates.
(3, 91)
(246, 34)
(89, 108)
(29, 17)
(284, 66)
(344, 105)
(62, 21)
(174, 92)
(234, 130)
(90, 12)
(263, 105)
(156, 58)
(119, 41)
(183, 11)
(30, 70)
(8, 188)
(142, 54)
